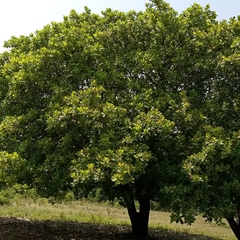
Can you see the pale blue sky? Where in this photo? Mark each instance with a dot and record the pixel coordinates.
(25, 16)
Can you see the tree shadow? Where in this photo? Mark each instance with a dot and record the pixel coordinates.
(23, 229)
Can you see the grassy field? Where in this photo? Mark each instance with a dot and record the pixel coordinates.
(85, 211)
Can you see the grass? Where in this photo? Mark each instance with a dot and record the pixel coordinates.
(85, 211)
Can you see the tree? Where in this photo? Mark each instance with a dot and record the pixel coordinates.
(119, 101)
(213, 167)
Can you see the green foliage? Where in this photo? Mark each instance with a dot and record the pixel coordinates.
(69, 197)
(6, 196)
(11, 166)
(16, 193)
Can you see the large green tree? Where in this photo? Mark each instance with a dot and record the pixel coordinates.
(119, 101)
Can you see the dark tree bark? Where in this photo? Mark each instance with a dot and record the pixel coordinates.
(139, 219)
(234, 226)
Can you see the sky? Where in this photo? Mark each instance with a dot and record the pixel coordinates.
(26, 16)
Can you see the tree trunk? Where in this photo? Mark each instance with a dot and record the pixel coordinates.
(234, 226)
(139, 219)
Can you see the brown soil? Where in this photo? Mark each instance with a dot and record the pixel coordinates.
(23, 229)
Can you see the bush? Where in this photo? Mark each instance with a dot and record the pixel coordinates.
(6, 195)
(24, 191)
(69, 197)
(17, 192)
(4, 200)
(155, 206)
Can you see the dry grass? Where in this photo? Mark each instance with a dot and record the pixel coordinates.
(199, 227)
(103, 213)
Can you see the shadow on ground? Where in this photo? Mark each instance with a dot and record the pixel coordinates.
(22, 229)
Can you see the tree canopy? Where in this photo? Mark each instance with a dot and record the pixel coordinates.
(144, 105)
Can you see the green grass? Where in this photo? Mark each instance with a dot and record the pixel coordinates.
(85, 211)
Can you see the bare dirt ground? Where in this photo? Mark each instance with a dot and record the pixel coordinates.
(23, 229)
